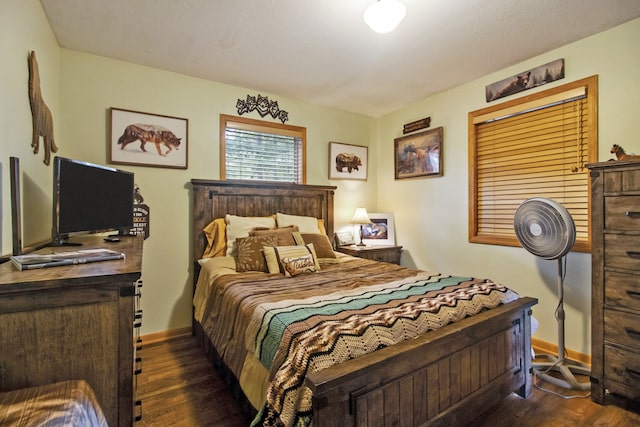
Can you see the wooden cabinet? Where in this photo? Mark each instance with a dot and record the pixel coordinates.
(73, 322)
(377, 253)
(615, 311)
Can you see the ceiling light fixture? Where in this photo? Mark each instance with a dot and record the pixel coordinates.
(384, 15)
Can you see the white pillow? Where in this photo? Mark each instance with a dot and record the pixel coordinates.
(306, 224)
(240, 226)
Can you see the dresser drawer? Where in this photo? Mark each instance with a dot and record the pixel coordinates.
(622, 251)
(622, 372)
(622, 290)
(618, 181)
(622, 213)
(622, 328)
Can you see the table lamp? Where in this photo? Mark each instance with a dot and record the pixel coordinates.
(361, 217)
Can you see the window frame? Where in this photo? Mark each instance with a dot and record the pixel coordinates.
(266, 127)
(517, 106)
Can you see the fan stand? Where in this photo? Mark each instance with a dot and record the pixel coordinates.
(565, 367)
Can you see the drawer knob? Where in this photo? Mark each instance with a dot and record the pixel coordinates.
(632, 214)
(633, 254)
(634, 294)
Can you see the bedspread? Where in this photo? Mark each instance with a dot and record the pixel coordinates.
(299, 325)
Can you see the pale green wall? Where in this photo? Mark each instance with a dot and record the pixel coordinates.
(431, 213)
(24, 28)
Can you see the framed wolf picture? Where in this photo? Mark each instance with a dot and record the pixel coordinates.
(145, 139)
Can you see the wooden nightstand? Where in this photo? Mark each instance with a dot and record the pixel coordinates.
(377, 253)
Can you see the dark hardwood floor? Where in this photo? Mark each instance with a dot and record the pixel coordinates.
(179, 387)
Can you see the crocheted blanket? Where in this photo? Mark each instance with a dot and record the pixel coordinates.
(310, 336)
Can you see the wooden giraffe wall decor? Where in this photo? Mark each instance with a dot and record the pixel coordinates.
(41, 115)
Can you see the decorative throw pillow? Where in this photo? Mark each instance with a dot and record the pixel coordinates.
(298, 265)
(306, 224)
(240, 226)
(274, 256)
(284, 234)
(250, 254)
(321, 244)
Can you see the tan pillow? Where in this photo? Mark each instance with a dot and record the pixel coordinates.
(240, 226)
(274, 256)
(298, 265)
(250, 255)
(284, 235)
(321, 244)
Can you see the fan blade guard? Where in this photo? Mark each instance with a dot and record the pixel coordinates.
(544, 227)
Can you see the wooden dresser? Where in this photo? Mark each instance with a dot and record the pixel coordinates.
(73, 322)
(615, 311)
(375, 252)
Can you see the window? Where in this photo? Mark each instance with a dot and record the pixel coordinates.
(261, 151)
(535, 146)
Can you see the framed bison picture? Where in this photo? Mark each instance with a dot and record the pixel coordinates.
(348, 161)
(419, 154)
(145, 139)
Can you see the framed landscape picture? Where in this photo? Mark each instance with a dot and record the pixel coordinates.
(145, 139)
(419, 155)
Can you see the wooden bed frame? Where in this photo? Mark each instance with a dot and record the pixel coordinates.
(445, 377)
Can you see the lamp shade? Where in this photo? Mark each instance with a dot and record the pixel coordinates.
(384, 15)
(361, 217)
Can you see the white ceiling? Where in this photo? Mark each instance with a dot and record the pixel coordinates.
(321, 51)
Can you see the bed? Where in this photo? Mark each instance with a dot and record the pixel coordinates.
(446, 376)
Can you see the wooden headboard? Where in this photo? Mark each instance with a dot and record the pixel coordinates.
(215, 199)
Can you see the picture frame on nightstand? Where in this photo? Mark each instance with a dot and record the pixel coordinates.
(343, 239)
(381, 232)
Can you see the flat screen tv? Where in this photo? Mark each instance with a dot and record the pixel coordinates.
(89, 198)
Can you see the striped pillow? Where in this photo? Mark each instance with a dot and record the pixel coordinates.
(275, 254)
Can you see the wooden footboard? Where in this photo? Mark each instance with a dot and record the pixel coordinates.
(445, 377)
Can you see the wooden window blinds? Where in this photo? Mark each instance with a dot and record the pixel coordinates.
(261, 151)
(535, 146)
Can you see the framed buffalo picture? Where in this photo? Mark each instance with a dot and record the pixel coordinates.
(348, 161)
(145, 139)
(419, 154)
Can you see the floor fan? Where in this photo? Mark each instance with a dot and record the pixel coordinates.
(546, 229)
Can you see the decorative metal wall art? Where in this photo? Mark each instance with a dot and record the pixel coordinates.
(263, 106)
(41, 120)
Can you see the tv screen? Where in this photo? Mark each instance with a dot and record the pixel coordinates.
(89, 198)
